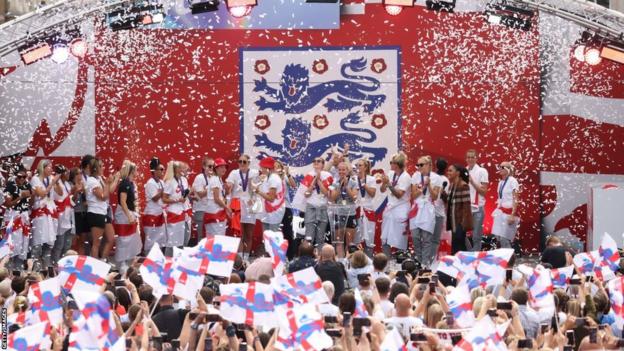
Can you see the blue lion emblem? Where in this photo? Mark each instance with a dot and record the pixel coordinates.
(295, 95)
(297, 150)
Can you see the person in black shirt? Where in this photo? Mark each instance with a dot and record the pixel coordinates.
(329, 269)
(18, 201)
(555, 253)
(168, 319)
(306, 258)
(128, 239)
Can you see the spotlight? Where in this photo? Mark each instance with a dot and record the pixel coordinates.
(393, 9)
(78, 47)
(32, 53)
(440, 5)
(134, 16)
(240, 11)
(201, 6)
(579, 53)
(240, 8)
(509, 16)
(60, 53)
(592, 56)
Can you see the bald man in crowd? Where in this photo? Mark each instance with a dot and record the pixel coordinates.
(329, 269)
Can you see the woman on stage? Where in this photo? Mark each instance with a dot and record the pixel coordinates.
(394, 221)
(128, 240)
(289, 183)
(153, 219)
(426, 187)
(98, 192)
(317, 183)
(344, 193)
(458, 213)
(44, 216)
(174, 197)
(243, 219)
(65, 210)
(217, 211)
(18, 195)
(505, 216)
(271, 190)
(365, 213)
(200, 191)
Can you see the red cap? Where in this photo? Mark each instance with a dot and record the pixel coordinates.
(267, 162)
(220, 162)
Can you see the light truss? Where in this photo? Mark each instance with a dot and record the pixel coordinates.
(56, 16)
(607, 23)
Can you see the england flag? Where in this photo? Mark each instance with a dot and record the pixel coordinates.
(276, 246)
(157, 272)
(100, 322)
(82, 273)
(301, 287)
(249, 303)
(303, 329)
(217, 255)
(45, 301)
(32, 338)
(460, 304)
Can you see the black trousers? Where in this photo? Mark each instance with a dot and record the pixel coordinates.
(458, 240)
(287, 230)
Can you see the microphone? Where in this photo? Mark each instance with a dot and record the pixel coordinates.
(444, 184)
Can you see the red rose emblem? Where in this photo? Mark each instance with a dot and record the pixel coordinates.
(262, 122)
(378, 65)
(379, 121)
(262, 66)
(320, 66)
(320, 121)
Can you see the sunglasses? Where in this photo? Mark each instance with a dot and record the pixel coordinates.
(243, 162)
(20, 177)
(421, 164)
(393, 162)
(210, 166)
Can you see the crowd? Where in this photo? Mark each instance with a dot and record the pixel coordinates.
(373, 298)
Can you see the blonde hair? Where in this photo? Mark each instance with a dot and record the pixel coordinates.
(427, 159)
(367, 164)
(400, 159)
(41, 168)
(509, 167)
(359, 259)
(172, 166)
(434, 315)
(127, 169)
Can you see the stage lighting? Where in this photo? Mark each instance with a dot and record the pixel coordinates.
(78, 47)
(592, 56)
(60, 53)
(135, 15)
(32, 53)
(579, 53)
(393, 9)
(613, 52)
(240, 8)
(440, 5)
(201, 6)
(509, 16)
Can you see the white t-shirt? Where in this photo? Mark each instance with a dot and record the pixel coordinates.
(40, 201)
(440, 207)
(507, 189)
(318, 199)
(95, 205)
(201, 184)
(434, 178)
(404, 324)
(174, 189)
(327, 309)
(275, 214)
(153, 208)
(387, 308)
(214, 182)
(479, 175)
(365, 201)
(401, 182)
(185, 184)
(236, 179)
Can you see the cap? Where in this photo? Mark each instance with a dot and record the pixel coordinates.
(220, 162)
(267, 162)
